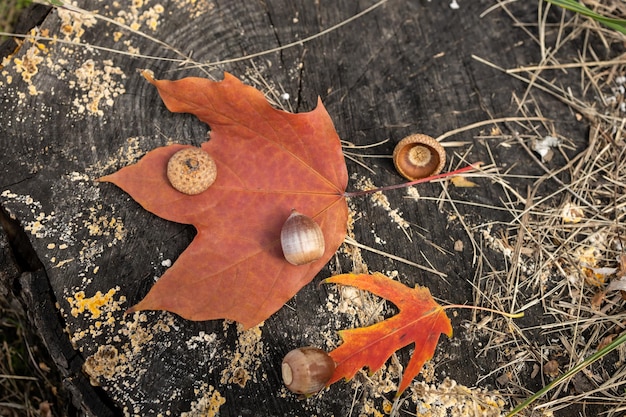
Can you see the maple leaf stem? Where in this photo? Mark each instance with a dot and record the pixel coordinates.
(408, 184)
(502, 313)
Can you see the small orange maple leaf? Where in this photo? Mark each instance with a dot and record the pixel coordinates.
(420, 321)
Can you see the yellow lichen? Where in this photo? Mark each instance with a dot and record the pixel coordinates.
(74, 23)
(99, 84)
(103, 363)
(246, 358)
(208, 405)
(28, 65)
(450, 398)
(103, 225)
(80, 304)
(371, 410)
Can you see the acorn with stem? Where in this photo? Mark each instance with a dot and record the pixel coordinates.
(306, 370)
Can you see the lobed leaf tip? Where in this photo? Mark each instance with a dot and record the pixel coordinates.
(105, 178)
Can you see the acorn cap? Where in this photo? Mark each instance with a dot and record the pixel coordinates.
(419, 156)
(191, 171)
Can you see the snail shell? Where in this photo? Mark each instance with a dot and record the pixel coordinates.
(419, 156)
(307, 370)
(191, 171)
(302, 239)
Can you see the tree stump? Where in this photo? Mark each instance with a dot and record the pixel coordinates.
(74, 108)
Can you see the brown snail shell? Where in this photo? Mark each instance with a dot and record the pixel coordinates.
(307, 370)
(302, 239)
(191, 171)
(419, 156)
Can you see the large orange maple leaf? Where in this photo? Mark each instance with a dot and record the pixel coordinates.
(420, 321)
(269, 162)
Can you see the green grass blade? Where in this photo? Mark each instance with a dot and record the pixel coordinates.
(615, 24)
(591, 359)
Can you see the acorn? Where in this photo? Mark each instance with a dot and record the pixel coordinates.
(419, 156)
(191, 171)
(307, 370)
(302, 239)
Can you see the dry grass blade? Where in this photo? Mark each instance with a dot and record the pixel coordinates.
(564, 245)
(185, 61)
(353, 242)
(486, 123)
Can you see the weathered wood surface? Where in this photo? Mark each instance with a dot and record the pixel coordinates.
(70, 114)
